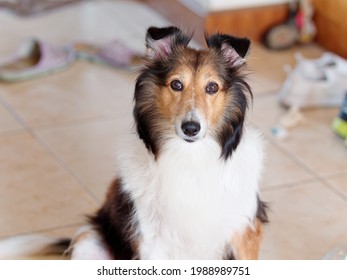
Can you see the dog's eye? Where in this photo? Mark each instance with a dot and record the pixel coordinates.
(176, 85)
(212, 88)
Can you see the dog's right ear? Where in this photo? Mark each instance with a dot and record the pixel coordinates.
(161, 42)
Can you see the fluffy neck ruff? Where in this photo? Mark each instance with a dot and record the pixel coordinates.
(189, 202)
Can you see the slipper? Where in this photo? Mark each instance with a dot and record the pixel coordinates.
(34, 59)
(114, 54)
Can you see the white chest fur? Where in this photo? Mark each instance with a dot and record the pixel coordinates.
(190, 202)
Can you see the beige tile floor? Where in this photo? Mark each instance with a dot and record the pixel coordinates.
(58, 133)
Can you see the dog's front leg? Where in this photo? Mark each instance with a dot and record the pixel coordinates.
(246, 245)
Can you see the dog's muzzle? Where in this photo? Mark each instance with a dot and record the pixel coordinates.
(191, 127)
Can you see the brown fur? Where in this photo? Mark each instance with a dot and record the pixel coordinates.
(195, 70)
(247, 244)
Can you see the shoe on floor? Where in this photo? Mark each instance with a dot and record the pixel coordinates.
(114, 54)
(33, 59)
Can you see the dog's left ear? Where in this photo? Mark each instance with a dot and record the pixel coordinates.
(161, 42)
(233, 49)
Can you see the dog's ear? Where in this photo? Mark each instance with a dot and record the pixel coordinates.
(161, 42)
(233, 49)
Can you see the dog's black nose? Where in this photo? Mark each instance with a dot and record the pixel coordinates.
(190, 128)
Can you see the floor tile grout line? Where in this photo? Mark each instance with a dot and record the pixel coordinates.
(319, 178)
(294, 158)
(67, 123)
(292, 184)
(288, 154)
(48, 149)
(9, 108)
(63, 164)
(336, 175)
(75, 122)
(332, 188)
(42, 230)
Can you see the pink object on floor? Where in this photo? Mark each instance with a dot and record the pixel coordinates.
(114, 53)
(35, 58)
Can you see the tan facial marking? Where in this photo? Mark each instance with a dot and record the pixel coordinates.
(176, 104)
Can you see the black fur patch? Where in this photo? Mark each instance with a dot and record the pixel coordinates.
(230, 133)
(159, 33)
(229, 138)
(179, 38)
(230, 255)
(114, 223)
(262, 211)
(146, 117)
(58, 248)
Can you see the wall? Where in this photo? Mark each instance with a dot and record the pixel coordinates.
(220, 5)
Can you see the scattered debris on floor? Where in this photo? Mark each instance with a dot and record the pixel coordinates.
(291, 119)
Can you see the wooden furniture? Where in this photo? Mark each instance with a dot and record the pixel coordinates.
(331, 23)
(247, 22)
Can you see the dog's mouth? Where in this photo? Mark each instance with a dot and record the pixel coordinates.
(189, 140)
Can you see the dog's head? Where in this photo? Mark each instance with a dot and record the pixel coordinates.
(191, 94)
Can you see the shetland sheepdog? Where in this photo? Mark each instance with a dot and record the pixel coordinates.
(187, 183)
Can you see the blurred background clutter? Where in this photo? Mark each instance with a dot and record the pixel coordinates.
(67, 74)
